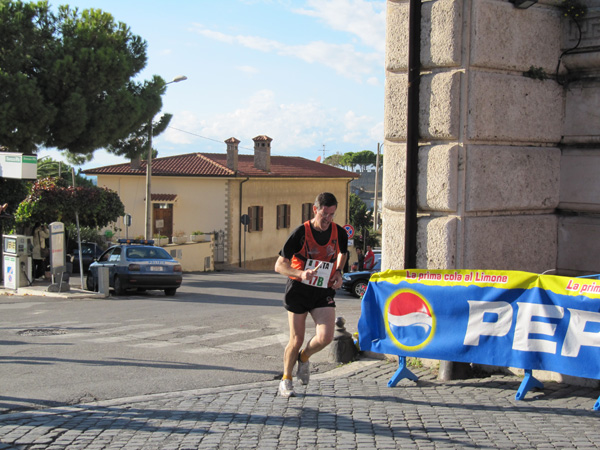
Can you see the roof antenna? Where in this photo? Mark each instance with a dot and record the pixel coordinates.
(324, 152)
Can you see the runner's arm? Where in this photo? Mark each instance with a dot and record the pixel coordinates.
(284, 267)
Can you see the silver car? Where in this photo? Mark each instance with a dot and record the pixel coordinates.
(137, 264)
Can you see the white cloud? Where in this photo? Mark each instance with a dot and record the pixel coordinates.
(362, 18)
(343, 58)
(293, 126)
(248, 69)
(375, 133)
(184, 120)
(373, 81)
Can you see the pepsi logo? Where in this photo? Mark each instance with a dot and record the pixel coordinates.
(409, 320)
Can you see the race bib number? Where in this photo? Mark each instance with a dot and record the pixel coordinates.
(321, 279)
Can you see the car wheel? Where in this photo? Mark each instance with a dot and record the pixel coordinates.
(119, 290)
(359, 288)
(170, 292)
(91, 283)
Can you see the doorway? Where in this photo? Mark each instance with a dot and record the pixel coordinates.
(162, 222)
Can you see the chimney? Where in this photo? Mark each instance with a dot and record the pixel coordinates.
(136, 163)
(232, 153)
(262, 153)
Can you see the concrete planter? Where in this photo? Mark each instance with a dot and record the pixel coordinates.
(179, 239)
(161, 241)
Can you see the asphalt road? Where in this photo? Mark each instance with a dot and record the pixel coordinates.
(220, 329)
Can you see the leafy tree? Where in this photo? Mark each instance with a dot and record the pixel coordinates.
(334, 160)
(12, 192)
(364, 159)
(51, 200)
(66, 79)
(361, 219)
(348, 160)
(87, 234)
(48, 167)
(25, 31)
(136, 144)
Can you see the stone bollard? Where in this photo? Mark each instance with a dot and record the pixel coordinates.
(342, 349)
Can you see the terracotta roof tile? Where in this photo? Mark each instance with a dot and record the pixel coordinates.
(163, 197)
(215, 165)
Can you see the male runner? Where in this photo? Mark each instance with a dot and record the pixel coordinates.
(312, 258)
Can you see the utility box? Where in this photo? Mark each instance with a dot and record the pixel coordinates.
(58, 261)
(18, 263)
(103, 281)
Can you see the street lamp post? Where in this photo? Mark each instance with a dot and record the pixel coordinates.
(148, 231)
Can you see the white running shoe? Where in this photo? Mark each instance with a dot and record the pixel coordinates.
(286, 389)
(303, 372)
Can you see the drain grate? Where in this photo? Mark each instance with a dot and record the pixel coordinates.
(42, 332)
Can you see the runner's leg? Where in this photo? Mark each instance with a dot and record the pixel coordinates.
(297, 323)
(325, 327)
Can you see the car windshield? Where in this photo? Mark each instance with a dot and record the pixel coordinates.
(147, 253)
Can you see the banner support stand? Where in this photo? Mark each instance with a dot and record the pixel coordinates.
(401, 373)
(528, 383)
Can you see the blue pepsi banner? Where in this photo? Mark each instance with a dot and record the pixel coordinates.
(500, 318)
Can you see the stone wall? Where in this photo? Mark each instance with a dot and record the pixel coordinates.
(579, 223)
(501, 155)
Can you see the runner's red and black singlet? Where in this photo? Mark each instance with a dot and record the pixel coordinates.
(311, 250)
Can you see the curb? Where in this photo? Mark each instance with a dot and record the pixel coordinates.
(343, 371)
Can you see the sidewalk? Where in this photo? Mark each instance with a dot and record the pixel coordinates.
(40, 287)
(350, 407)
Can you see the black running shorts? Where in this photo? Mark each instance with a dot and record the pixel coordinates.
(301, 298)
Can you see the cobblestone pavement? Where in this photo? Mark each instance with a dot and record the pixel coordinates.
(350, 407)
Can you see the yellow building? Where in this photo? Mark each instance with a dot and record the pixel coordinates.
(215, 193)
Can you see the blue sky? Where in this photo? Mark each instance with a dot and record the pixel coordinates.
(307, 73)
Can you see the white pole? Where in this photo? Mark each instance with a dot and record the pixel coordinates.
(148, 230)
(375, 221)
(78, 235)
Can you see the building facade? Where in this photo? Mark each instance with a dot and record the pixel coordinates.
(508, 136)
(249, 203)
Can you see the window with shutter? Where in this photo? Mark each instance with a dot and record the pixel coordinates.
(283, 216)
(307, 211)
(255, 215)
(251, 219)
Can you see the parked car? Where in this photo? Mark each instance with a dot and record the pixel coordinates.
(137, 264)
(90, 251)
(356, 282)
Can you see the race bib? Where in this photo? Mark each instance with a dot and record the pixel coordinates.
(321, 279)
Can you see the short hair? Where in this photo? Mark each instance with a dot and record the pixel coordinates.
(325, 199)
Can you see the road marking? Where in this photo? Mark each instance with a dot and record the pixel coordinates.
(226, 332)
(240, 346)
(208, 351)
(143, 334)
(19, 305)
(263, 341)
(94, 332)
(190, 339)
(147, 331)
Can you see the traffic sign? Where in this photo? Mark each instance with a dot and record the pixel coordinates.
(350, 230)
